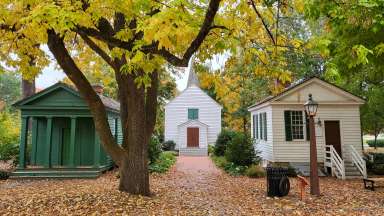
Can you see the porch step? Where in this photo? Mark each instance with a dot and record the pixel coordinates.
(59, 173)
(193, 152)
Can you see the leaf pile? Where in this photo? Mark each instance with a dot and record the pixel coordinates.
(183, 192)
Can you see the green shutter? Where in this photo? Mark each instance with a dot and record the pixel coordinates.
(288, 130)
(307, 126)
(261, 125)
(265, 126)
(257, 126)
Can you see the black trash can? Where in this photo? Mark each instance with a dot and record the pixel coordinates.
(277, 181)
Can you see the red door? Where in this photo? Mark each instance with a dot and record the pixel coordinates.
(192, 137)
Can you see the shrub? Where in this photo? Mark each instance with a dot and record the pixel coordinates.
(235, 170)
(9, 151)
(240, 151)
(9, 128)
(222, 141)
(4, 175)
(379, 143)
(211, 149)
(154, 150)
(378, 158)
(169, 145)
(220, 161)
(163, 163)
(292, 171)
(255, 171)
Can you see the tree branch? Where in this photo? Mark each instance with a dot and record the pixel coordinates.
(98, 50)
(262, 20)
(203, 32)
(57, 47)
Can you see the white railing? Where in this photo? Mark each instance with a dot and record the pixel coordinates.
(358, 161)
(333, 160)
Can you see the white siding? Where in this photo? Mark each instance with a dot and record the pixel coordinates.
(298, 151)
(176, 113)
(265, 147)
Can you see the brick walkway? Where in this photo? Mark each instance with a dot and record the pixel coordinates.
(194, 165)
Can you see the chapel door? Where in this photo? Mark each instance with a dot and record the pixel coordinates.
(332, 135)
(192, 137)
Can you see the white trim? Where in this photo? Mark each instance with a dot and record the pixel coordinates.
(192, 121)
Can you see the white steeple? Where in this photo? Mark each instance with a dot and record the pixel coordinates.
(192, 77)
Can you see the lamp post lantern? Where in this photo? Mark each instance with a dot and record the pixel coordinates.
(311, 109)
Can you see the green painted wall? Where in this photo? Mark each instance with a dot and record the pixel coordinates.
(62, 105)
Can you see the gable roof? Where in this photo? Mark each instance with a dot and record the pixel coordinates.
(109, 103)
(192, 121)
(181, 93)
(301, 83)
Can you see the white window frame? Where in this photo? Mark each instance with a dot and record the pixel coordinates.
(303, 125)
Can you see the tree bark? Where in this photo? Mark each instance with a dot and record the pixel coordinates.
(139, 120)
(27, 87)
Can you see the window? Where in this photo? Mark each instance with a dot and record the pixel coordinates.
(255, 126)
(260, 126)
(297, 124)
(193, 113)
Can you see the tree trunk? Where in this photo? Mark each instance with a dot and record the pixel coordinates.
(138, 106)
(27, 87)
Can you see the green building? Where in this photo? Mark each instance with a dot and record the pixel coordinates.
(58, 137)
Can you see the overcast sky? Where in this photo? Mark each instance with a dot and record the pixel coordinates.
(51, 74)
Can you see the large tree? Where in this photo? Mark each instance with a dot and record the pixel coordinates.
(353, 39)
(134, 38)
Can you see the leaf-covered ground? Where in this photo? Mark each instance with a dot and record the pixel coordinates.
(192, 187)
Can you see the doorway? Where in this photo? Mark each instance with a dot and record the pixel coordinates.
(192, 137)
(332, 135)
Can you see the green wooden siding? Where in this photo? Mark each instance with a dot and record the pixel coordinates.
(63, 135)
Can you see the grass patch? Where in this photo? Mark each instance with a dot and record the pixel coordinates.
(164, 162)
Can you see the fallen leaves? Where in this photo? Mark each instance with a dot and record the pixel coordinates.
(183, 191)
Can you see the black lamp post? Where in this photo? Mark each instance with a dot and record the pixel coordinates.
(311, 109)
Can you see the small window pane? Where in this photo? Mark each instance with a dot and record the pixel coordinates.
(297, 124)
(193, 113)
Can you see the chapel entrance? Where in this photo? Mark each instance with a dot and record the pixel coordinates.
(192, 137)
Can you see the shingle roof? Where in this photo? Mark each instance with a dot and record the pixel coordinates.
(107, 101)
(271, 97)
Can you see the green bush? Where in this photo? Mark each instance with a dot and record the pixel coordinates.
(255, 171)
(4, 175)
(163, 163)
(240, 151)
(222, 141)
(9, 128)
(9, 151)
(154, 150)
(378, 158)
(379, 143)
(169, 145)
(220, 161)
(211, 149)
(235, 170)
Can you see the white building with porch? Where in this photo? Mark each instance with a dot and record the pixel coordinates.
(281, 133)
(192, 119)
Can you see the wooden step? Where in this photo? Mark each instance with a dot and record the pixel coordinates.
(193, 151)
